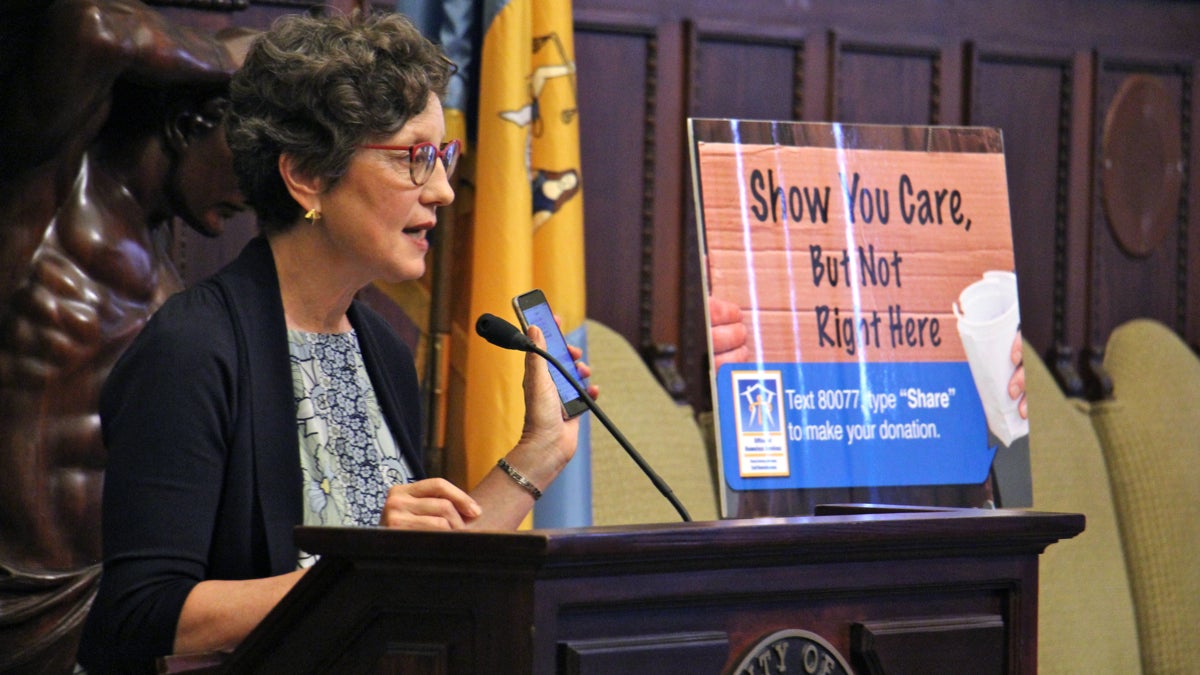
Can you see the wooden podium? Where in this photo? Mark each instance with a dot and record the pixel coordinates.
(879, 590)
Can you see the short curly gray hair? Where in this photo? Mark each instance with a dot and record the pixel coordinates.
(317, 87)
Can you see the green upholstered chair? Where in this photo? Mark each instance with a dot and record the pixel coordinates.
(1086, 616)
(1150, 430)
(664, 432)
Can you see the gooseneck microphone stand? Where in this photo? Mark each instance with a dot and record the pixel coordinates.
(505, 335)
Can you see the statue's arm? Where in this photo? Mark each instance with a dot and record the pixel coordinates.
(81, 49)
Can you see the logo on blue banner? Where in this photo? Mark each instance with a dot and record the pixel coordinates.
(761, 434)
(822, 425)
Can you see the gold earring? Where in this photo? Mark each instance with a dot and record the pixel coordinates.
(312, 216)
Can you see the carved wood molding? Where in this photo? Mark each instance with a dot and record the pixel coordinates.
(955, 639)
(798, 82)
(694, 330)
(645, 289)
(1065, 372)
(1060, 354)
(843, 45)
(1183, 246)
(692, 320)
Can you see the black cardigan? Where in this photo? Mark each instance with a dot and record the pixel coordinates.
(203, 478)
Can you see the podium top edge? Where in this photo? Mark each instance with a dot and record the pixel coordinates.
(871, 532)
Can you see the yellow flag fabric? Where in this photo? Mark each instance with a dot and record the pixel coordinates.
(527, 228)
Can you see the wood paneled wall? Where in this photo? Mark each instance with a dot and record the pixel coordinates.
(1095, 100)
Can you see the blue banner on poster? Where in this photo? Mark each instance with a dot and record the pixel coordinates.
(823, 425)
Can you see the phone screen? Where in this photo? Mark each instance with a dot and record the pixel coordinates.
(533, 309)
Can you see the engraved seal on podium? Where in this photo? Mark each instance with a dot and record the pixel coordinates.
(792, 651)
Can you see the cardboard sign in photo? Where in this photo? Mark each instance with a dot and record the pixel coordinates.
(873, 270)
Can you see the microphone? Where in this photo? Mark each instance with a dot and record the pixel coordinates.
(502, 333)
(507, 336)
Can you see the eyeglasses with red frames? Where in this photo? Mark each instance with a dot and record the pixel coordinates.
(421, 157)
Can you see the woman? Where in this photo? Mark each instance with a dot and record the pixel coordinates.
(266, 397)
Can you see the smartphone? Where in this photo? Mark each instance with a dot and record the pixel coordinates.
(532, 309)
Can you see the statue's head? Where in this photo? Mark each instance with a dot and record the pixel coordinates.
(201, 187)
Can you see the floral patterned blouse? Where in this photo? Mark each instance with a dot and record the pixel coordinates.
(348, 456)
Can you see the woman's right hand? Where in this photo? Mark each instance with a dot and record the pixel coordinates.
(430, 504)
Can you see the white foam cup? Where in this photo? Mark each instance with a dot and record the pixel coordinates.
(988, 320)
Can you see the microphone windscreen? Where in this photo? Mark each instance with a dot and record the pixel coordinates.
(501, 333)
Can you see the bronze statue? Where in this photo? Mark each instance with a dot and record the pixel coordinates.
(110, 128)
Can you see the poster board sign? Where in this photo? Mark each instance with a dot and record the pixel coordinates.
(862, 315)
